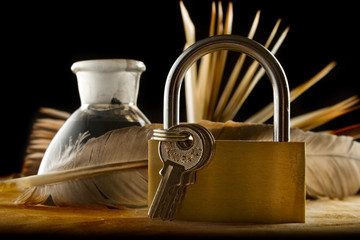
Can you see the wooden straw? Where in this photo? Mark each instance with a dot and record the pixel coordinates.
(42, 134)
(273, 33)
(248, 82)
(190, 76)
(220, 63)
(204, 69)
(211, 84)
(319, 117)
(54, 113)
(234, 74)
(267, 112)
(296, 92)
(48, 124)
(352, 131)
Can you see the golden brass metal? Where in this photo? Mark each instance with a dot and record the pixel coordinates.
(246, 181)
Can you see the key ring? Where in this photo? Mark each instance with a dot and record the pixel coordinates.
(169, 136)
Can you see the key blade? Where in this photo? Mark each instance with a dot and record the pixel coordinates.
(186, 179)
(177, 198)
(171, 177)
(161, 192)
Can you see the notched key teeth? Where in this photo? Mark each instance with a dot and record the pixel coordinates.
(181, 161)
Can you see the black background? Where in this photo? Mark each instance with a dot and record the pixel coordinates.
(41, 41)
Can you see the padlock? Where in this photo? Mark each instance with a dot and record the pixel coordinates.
(246, 181)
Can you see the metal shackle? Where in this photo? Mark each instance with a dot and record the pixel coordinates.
(235, 43)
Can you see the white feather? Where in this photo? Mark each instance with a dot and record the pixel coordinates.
(332, 165)
(332, 162)
(123, 188)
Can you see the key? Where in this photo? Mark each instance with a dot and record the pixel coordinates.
(189, 177)
(181, 161)
(171, 175)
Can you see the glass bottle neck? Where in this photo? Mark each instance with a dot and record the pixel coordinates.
(108, 88)
(112, 81)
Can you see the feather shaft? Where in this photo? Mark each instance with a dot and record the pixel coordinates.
(66, 175)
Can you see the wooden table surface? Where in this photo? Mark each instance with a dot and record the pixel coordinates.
(324, 217)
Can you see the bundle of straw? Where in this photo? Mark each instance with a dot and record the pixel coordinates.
(43, 131)
(202, 86)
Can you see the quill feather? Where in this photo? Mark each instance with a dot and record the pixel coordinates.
(332, 162)
(332, 166)
(93, 173)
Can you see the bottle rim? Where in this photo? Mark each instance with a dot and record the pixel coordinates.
(108, 65)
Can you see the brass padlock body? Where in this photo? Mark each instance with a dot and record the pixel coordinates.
(246, 181)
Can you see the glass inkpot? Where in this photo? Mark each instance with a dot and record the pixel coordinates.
(108, 90)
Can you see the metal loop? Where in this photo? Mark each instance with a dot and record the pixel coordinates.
(239, 44)
(169, 136)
